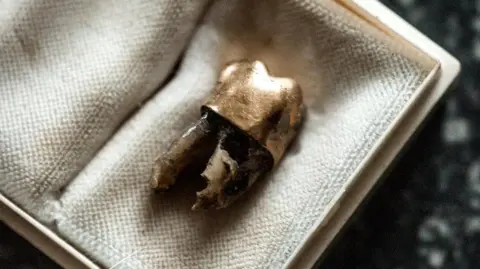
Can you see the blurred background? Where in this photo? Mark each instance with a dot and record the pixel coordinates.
(426, 212)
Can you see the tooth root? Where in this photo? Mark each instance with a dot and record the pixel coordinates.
(205, 199)
(220, 168)
(189, 148)
(209, 196)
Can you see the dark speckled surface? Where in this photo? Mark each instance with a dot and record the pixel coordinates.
(426, 212)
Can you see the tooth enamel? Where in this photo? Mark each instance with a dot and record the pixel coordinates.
(246, 127)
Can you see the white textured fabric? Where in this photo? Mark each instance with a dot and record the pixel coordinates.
(70, 73)
(354, 85)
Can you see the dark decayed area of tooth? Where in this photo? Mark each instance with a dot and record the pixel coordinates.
(192, 152)
(250, 159)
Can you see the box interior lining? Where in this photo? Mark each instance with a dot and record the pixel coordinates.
(230, 49)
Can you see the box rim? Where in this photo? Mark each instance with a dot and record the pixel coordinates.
(17, 219)
(449, 70)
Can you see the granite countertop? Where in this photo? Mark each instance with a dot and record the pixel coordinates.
(426, 213)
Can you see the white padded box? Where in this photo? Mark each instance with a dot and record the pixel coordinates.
(425, 66)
